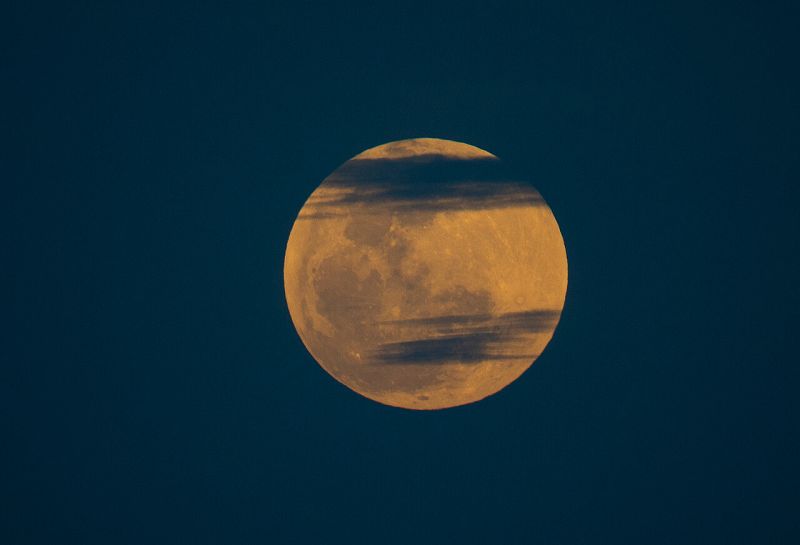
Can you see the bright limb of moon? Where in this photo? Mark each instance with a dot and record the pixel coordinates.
(421, 276)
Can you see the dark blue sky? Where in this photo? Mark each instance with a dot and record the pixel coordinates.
(155, 390)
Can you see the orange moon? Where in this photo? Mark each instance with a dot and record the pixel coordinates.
(421, 274)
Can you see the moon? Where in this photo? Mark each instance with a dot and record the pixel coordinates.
(422, 274)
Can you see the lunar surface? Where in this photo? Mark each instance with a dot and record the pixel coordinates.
(421, 274)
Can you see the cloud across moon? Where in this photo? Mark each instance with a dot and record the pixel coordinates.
(421, 274)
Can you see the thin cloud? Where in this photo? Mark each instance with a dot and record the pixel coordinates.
(428, 182)
(468, 338)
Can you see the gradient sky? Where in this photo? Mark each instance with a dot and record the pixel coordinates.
(154, 389)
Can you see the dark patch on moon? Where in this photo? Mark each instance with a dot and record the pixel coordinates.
(345, 300)
(368, 229)
(459, 299)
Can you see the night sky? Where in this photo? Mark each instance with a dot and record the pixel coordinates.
(154, 158)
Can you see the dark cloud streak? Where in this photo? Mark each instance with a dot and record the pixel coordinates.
(470, 339)
(420, 183)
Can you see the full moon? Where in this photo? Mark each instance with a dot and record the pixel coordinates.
(422, 274)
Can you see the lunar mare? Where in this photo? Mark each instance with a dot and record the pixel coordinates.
(422, 275)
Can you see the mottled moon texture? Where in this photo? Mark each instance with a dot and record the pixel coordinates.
(421, 274)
